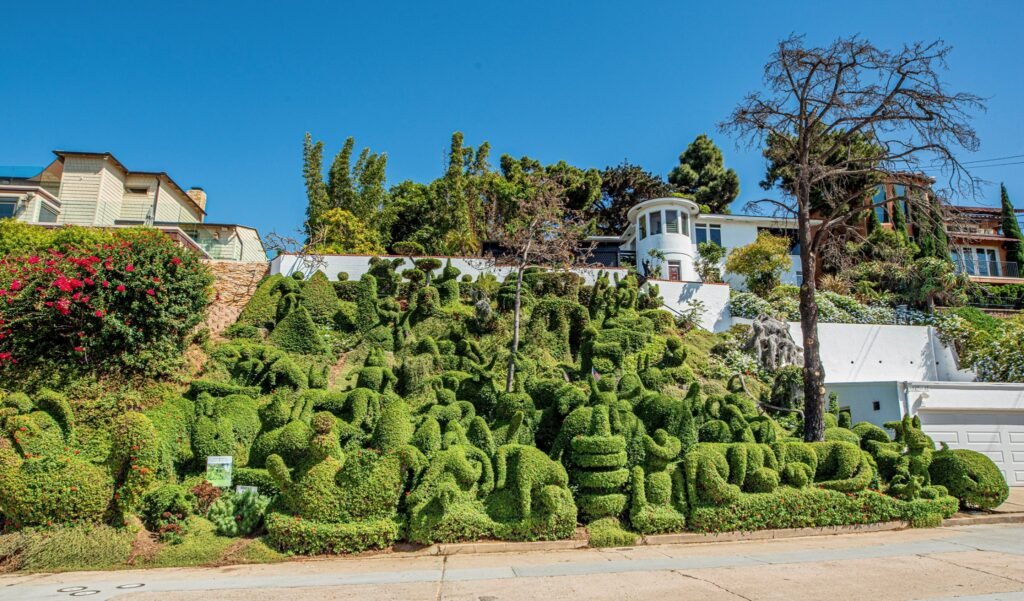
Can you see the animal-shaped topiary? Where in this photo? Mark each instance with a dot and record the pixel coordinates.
(375, 373)
(525, 472)
(657, 502)
(969, 476)
(346, 502)
(446, 503)
(904, 462)
(261, 365)
(44, 476)
(286, 428)
(225, 426)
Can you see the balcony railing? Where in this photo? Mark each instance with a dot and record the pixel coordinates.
(989, 269)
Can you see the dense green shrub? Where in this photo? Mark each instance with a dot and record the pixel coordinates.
(238, 514)
(970, 477)
(127, 304)
(297, 333)
(261, 310)
(319, 298)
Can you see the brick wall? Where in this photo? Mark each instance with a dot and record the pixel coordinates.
(235, 284)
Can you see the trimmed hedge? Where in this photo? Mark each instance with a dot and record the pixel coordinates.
(814, 507)
(970, 477)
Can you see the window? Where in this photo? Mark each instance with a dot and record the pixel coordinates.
(881, 209)
(671, 222)
(987, 262)
(675, 270)
(709, 233)
(137, 190)
(8, 205)
(976, 261)
(47, 214)
(655, 222)
(876, 405)
(642, 226)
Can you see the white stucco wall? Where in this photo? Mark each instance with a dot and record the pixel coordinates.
(677, 295)
(356, 265)
(860, 399)
(877, 353)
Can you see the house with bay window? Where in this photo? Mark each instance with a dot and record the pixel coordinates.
(95, 189)
(664, 233)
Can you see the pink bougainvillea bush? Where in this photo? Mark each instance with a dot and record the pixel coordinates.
(125, 301)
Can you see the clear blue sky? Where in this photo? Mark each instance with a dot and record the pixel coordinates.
(220, 95)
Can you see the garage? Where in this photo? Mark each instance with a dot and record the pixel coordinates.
(988, 418)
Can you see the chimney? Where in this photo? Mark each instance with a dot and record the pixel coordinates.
(197, 194)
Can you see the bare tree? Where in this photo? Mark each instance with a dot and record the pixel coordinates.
(847, 117)
(542, 232)
(307, 258)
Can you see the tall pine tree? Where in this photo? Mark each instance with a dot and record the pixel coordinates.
(1011, 229)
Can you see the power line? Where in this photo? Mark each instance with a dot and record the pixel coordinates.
(937, 162)
(1012, 156)
(998, 165)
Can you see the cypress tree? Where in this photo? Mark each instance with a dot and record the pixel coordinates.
(317, 201)
(1011, 229)
(899, 220)
(339, 180)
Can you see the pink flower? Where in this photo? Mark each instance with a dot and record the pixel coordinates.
(33, 260)
(89, 282)
(106, 284)
(16, 285)
(120, 288)
(130, 268)
(151, 292)
(98, 313)
(175, 261)
(79, 349)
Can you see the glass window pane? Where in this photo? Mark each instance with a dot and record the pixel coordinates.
(716, 234)
(642, 225)
(684, 224)
(672, 222)
(702, 234)
(6, 209)
(655, 223)
(47, 215)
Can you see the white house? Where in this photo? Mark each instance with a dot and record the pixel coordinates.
(664, 233)
(95, 189)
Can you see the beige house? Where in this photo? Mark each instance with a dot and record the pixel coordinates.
(96, 189)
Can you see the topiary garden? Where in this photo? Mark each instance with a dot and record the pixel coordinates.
(371, 411)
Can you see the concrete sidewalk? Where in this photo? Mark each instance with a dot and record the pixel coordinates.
(980, 563)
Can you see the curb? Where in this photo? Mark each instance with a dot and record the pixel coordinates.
(689, 538)
(697, 538)
(992, 518)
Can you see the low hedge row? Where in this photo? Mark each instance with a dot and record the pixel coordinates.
(816, 507)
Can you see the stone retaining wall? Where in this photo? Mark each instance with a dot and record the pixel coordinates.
(235, 284)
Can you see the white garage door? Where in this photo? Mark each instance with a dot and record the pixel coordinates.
(998, 434)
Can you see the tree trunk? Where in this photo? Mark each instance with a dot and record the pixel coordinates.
(814, 373)
(509, 382)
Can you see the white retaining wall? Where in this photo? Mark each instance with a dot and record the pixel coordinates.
(677, 295)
